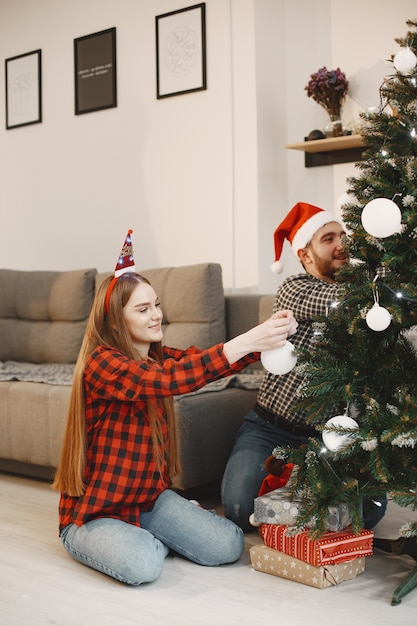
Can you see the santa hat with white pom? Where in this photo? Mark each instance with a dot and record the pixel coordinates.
(299, 227)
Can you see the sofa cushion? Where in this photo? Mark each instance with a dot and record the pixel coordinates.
(32, 421)
(192, 300)
(43, 314)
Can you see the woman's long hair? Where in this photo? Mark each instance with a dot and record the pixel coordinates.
(109, 329)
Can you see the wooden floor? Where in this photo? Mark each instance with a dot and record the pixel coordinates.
(40, 585)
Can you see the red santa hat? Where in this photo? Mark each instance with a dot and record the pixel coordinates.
(125, 263)
(299, 227)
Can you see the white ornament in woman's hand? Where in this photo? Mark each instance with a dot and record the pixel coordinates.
(279, 360)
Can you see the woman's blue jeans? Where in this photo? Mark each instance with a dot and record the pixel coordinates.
(245, 471)
(134, 555)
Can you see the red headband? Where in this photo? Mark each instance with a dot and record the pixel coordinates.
(108, 294)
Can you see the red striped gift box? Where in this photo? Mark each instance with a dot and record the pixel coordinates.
(330, 548)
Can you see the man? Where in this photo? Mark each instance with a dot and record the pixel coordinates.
(316, 238)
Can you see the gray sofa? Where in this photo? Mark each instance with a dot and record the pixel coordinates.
(42, 321)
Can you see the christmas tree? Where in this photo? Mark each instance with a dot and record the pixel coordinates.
(365, 358)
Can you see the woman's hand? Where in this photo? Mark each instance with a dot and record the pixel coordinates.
(266, 336)
(293, 324)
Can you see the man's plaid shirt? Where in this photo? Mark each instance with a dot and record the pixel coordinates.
(121, 475)
(308, 298)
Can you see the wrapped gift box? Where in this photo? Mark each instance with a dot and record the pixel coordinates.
(270, 561)
(276, 507)
(330, 548)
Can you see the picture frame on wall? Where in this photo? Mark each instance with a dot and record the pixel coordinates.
(181, 51)
(95, 71)
(23, 77)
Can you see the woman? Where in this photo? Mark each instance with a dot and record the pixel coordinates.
(117, 512)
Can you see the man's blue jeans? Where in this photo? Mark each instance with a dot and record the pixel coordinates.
(136, 555)
(245, 471)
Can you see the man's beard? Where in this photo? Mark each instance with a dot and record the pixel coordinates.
(325, 266)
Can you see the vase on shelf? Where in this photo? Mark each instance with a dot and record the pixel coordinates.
(329, 89)
(335, 127)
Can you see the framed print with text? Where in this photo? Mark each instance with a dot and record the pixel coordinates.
(23, 75)
(95, 72)
(181, 51)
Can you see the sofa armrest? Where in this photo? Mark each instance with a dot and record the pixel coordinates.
(266, 305)
(242, 313)
(207, 425)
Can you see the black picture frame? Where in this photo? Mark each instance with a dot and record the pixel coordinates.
(23, 77)
(95, 71)
(181, 51)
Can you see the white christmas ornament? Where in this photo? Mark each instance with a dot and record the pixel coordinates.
(345, 198)
(333, 440)
(405, 60)
(378, 318)
(381, 218)
(280, 360)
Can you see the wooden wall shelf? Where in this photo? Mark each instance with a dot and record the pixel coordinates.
(331, 150)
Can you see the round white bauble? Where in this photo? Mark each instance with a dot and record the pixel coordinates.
(378, 318)
(280, 360)
(333, 440)
(405, 60)
(345, 198)
(381, 218)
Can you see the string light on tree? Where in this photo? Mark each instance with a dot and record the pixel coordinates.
(381, 218)
(280, 360)
(405, 60)
(333, 440)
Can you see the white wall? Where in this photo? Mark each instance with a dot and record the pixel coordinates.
(199, 177)
(72, 186)
(289, 48)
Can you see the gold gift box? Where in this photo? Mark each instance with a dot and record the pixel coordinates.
(270, 561)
